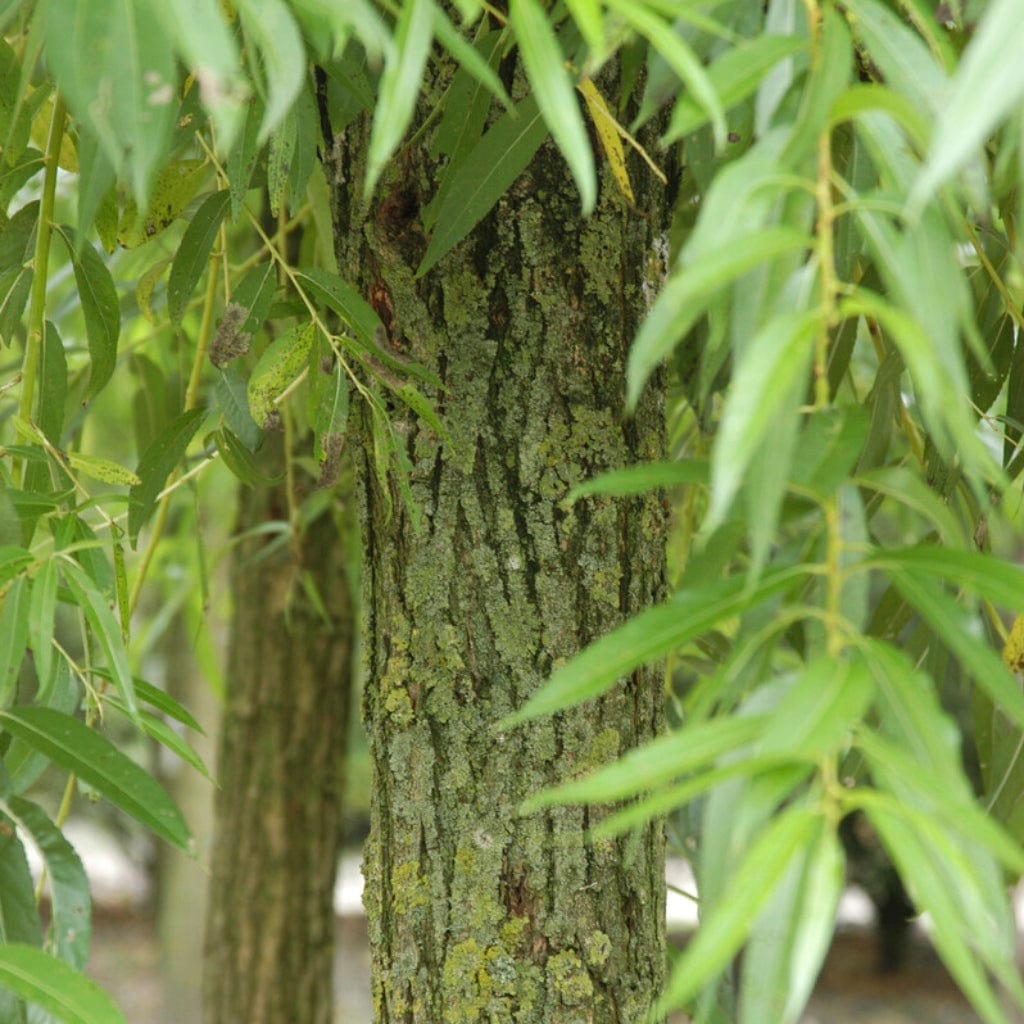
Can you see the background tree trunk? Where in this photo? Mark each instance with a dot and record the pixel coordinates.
(475, 913)
(270, 928)
(181, 955)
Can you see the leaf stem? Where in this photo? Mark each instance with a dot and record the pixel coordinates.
(40, 267)
(823, 235)
(191, 399)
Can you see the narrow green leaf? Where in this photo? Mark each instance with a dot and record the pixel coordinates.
(194, 252)
(174, 188)
(101, 469)
(666, 800)
(239, 460)
(24, 763)
(587, 15)
(341, 20)
(42, 614)
(941, 893)
(730, 921)
(910, 782)
(863, 99)
(485, 174)
(987, 87)
(680, 58)
(328, 403)
(469, 58)
(545, 68)
(244, 155)
(907, 487)
(153, 404)
(280, 157)
(70, 900)
(817, 713)
(463, 117)
(813, 921)
(51, 984)
(91, 554)
(939, 379)
(270, 26)
(661, 760)
(19, 919)
(399, 85)
(903, 57)
(283, 361)
(97, 195)
(1000, 581)
(105, 628)
(650, 635)
(954, 629)
(763, 969)
(204, 39)
(10, 530)
(642, 478)
(160, 731)
(156, 465)
(230, 391)
(330, 291)
(162, 702)
(772, 367)
(17, 238)
(94, 759)
(15, 286)
(422, 406)
(14, 631)
(53, 385)
(733, 76)
(115, 65)
(100, 308)
(692, 288)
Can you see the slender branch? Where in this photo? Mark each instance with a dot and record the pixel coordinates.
(191, 398)
(40, 267)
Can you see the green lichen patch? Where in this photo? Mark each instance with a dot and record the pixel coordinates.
(409, 889)
(569, 979)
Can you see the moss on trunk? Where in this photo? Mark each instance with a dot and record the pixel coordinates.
(475, 913)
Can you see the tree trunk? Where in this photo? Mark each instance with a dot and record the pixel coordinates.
(181, 956)
(270, 929)
(475, 913)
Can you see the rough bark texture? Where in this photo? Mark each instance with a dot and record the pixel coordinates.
(270, 929)
(475, 913)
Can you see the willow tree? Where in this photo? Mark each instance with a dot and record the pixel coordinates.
(479, 578)
(839, 308)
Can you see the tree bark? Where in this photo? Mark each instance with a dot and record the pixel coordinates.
(270, 928)
(476, 913)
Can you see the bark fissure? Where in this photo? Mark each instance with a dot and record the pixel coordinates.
(475, 913)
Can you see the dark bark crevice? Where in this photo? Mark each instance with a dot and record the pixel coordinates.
(476, 913)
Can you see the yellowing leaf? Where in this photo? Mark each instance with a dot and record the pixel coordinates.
(101, 469)
(68, 159)
(1013, 650)
(608, 132)
(173, 190)
(282, 362)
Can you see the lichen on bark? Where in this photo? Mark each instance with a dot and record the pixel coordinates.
(476, 913)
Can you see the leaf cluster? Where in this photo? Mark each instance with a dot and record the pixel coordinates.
(840, 317)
